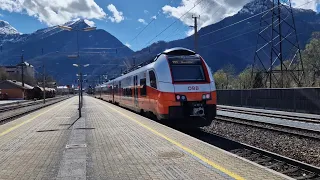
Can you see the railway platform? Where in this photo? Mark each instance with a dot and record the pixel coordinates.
(109, 142)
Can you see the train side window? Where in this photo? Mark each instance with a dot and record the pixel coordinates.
(153, 79)
(143, 84)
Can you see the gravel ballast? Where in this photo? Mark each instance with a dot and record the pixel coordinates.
(303, 149)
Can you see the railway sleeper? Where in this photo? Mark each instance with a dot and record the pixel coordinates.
(241, 152)
(291, 169)
(253, 156)
(276, 165)
(263, 159)
(310, 175)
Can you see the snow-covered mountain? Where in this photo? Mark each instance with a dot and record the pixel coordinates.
(6, 28)
(57, 44)
(255, 7)
(258, 6)
(57, 39)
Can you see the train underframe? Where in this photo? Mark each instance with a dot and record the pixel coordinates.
(190, 114)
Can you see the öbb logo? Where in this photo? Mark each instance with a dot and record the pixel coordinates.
(190, 88)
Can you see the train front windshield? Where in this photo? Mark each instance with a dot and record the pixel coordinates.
(186, 69)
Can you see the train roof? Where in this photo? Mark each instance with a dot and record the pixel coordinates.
(172, 51)
(178, 51)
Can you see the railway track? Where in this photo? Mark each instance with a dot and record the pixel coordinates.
(17, 106)
(26, 108)
(290, 167)
(297, 131)
(310, 119)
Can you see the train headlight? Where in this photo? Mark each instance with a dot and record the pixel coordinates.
(206, 96)
(181, 97)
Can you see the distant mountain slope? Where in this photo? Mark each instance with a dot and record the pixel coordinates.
(236, 44)
(54, 39)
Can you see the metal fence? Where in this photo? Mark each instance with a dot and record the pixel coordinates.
(305, 100)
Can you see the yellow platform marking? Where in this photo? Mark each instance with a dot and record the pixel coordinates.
(27, 121)
(195, 154)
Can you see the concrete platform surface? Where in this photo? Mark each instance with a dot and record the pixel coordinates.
(109, 142)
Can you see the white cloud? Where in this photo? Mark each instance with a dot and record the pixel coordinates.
(90, 23)
(146, 11)
(117, 16)
(142, 21)
(53, 12)
(127, 44)
(190, 32)
(304, 4)
(212, 11)
(154, 17)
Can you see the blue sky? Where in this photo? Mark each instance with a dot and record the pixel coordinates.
(124, 30)
(121, 17)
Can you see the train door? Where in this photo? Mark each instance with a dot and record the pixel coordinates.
(135, 89)
(119, 93)
(113, 91)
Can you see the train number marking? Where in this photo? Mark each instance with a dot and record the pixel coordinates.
(192, 88)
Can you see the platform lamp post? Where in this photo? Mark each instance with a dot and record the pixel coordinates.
(78, 55)
(22, 63)
(80, 84)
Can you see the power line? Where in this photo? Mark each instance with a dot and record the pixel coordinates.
(153, 19)
(183, 25)
(243, 20)
(196, 4)
(239, 34)
(250, 47)
(245, 32)
(145, 27)
(229, 38)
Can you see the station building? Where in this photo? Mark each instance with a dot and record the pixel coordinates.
(11, 89)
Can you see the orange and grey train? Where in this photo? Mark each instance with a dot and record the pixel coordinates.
(177, 85)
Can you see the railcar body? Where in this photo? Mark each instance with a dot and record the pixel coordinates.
(177, 85)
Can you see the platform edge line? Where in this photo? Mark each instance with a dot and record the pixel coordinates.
(199, 156)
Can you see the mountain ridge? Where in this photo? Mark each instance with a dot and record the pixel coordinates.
(231, 45)
(7, 29)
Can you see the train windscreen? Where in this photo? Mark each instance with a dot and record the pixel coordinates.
(186, 69)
